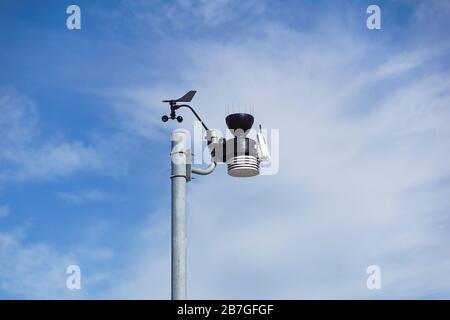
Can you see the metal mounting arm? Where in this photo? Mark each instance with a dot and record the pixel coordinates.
(175, 107)
(204, 171)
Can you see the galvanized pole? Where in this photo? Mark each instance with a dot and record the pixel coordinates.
(179, 237)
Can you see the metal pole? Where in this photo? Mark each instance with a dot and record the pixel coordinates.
(179, 238)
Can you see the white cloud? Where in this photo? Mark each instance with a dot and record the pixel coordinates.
(363, 170)
(38, 271)
(85, 196)
(24, 154)
(184, 14)
(147, 273)
(18, 121)
(215, 12)
(55, 160)
(33, 271)
(138, 113)
(363, 178)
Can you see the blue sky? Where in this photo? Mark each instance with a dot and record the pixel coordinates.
(364, 145)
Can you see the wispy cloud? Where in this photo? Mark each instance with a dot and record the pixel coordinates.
(38, 271)
(31, 271)
(86, 196)
(195, 15)
(27, 154)
(363, 172)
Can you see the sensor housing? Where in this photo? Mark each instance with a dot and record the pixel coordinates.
(242, 157)
(242, 154)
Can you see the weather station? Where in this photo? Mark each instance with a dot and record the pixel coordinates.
(241, 154)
